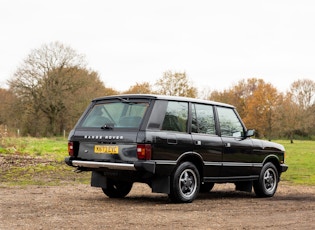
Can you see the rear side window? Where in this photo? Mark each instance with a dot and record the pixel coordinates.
(116, 114)
(176, 117)
(203, 119)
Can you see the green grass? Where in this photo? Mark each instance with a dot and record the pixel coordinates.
(52, 174)
(49, 167)
(51, 148)
(40, 161)
(300, 157)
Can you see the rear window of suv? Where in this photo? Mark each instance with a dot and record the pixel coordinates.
(176, 117)
(116, 114)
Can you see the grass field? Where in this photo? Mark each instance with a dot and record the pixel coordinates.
(300, 156)
(52, 148)
(37, 161)
(40, 161)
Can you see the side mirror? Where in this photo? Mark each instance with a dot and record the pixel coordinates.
(250, 132)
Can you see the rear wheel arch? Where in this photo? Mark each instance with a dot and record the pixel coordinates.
(190, 164)
(194, 158)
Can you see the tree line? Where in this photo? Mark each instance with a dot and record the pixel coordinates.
(52, 87)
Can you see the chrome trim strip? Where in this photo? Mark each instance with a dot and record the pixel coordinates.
(109, 165)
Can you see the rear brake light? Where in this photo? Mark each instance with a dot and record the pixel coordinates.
(144, 151)
(71, 148)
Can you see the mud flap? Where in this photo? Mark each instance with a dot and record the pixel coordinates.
(161, 184)
(244, 186)
(98, 180)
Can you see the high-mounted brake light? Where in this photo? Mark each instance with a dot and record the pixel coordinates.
(70, 148)
(144, 151)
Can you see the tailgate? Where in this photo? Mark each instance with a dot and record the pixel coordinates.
(110, 147)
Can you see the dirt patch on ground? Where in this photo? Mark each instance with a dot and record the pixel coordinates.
(83, 207)
(14, 160)
(79, 206)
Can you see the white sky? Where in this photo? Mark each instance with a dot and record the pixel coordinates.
(217, 43)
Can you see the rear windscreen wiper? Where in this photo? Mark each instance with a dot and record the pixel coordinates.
(123, 100)
(108, 126)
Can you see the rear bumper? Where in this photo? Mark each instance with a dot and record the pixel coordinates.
(108, 165)
(148, 166)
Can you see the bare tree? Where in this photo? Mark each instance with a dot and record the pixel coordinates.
(44, 80)
(7, 108)
(175, 84)
(303, 93)
(289, 118)
(303, 96)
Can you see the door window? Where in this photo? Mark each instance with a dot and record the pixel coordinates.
(230, 124)
(203, 119)
(176, 117)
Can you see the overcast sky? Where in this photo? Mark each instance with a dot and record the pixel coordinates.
(217, 43)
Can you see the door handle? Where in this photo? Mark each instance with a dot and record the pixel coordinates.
(197, 142)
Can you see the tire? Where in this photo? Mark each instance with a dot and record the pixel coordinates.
(206, 187)
(185, 183)
(268, 181)
(117, 189)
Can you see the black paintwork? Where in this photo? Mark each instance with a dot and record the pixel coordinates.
(218, 159)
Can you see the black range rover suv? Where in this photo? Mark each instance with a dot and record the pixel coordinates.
(178, 146)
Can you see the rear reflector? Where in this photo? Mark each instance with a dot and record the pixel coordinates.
(144, 151)
(70, 148)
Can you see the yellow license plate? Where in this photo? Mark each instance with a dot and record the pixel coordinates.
(106, 149)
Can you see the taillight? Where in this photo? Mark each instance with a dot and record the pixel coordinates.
(71, 148)
(144, 151)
